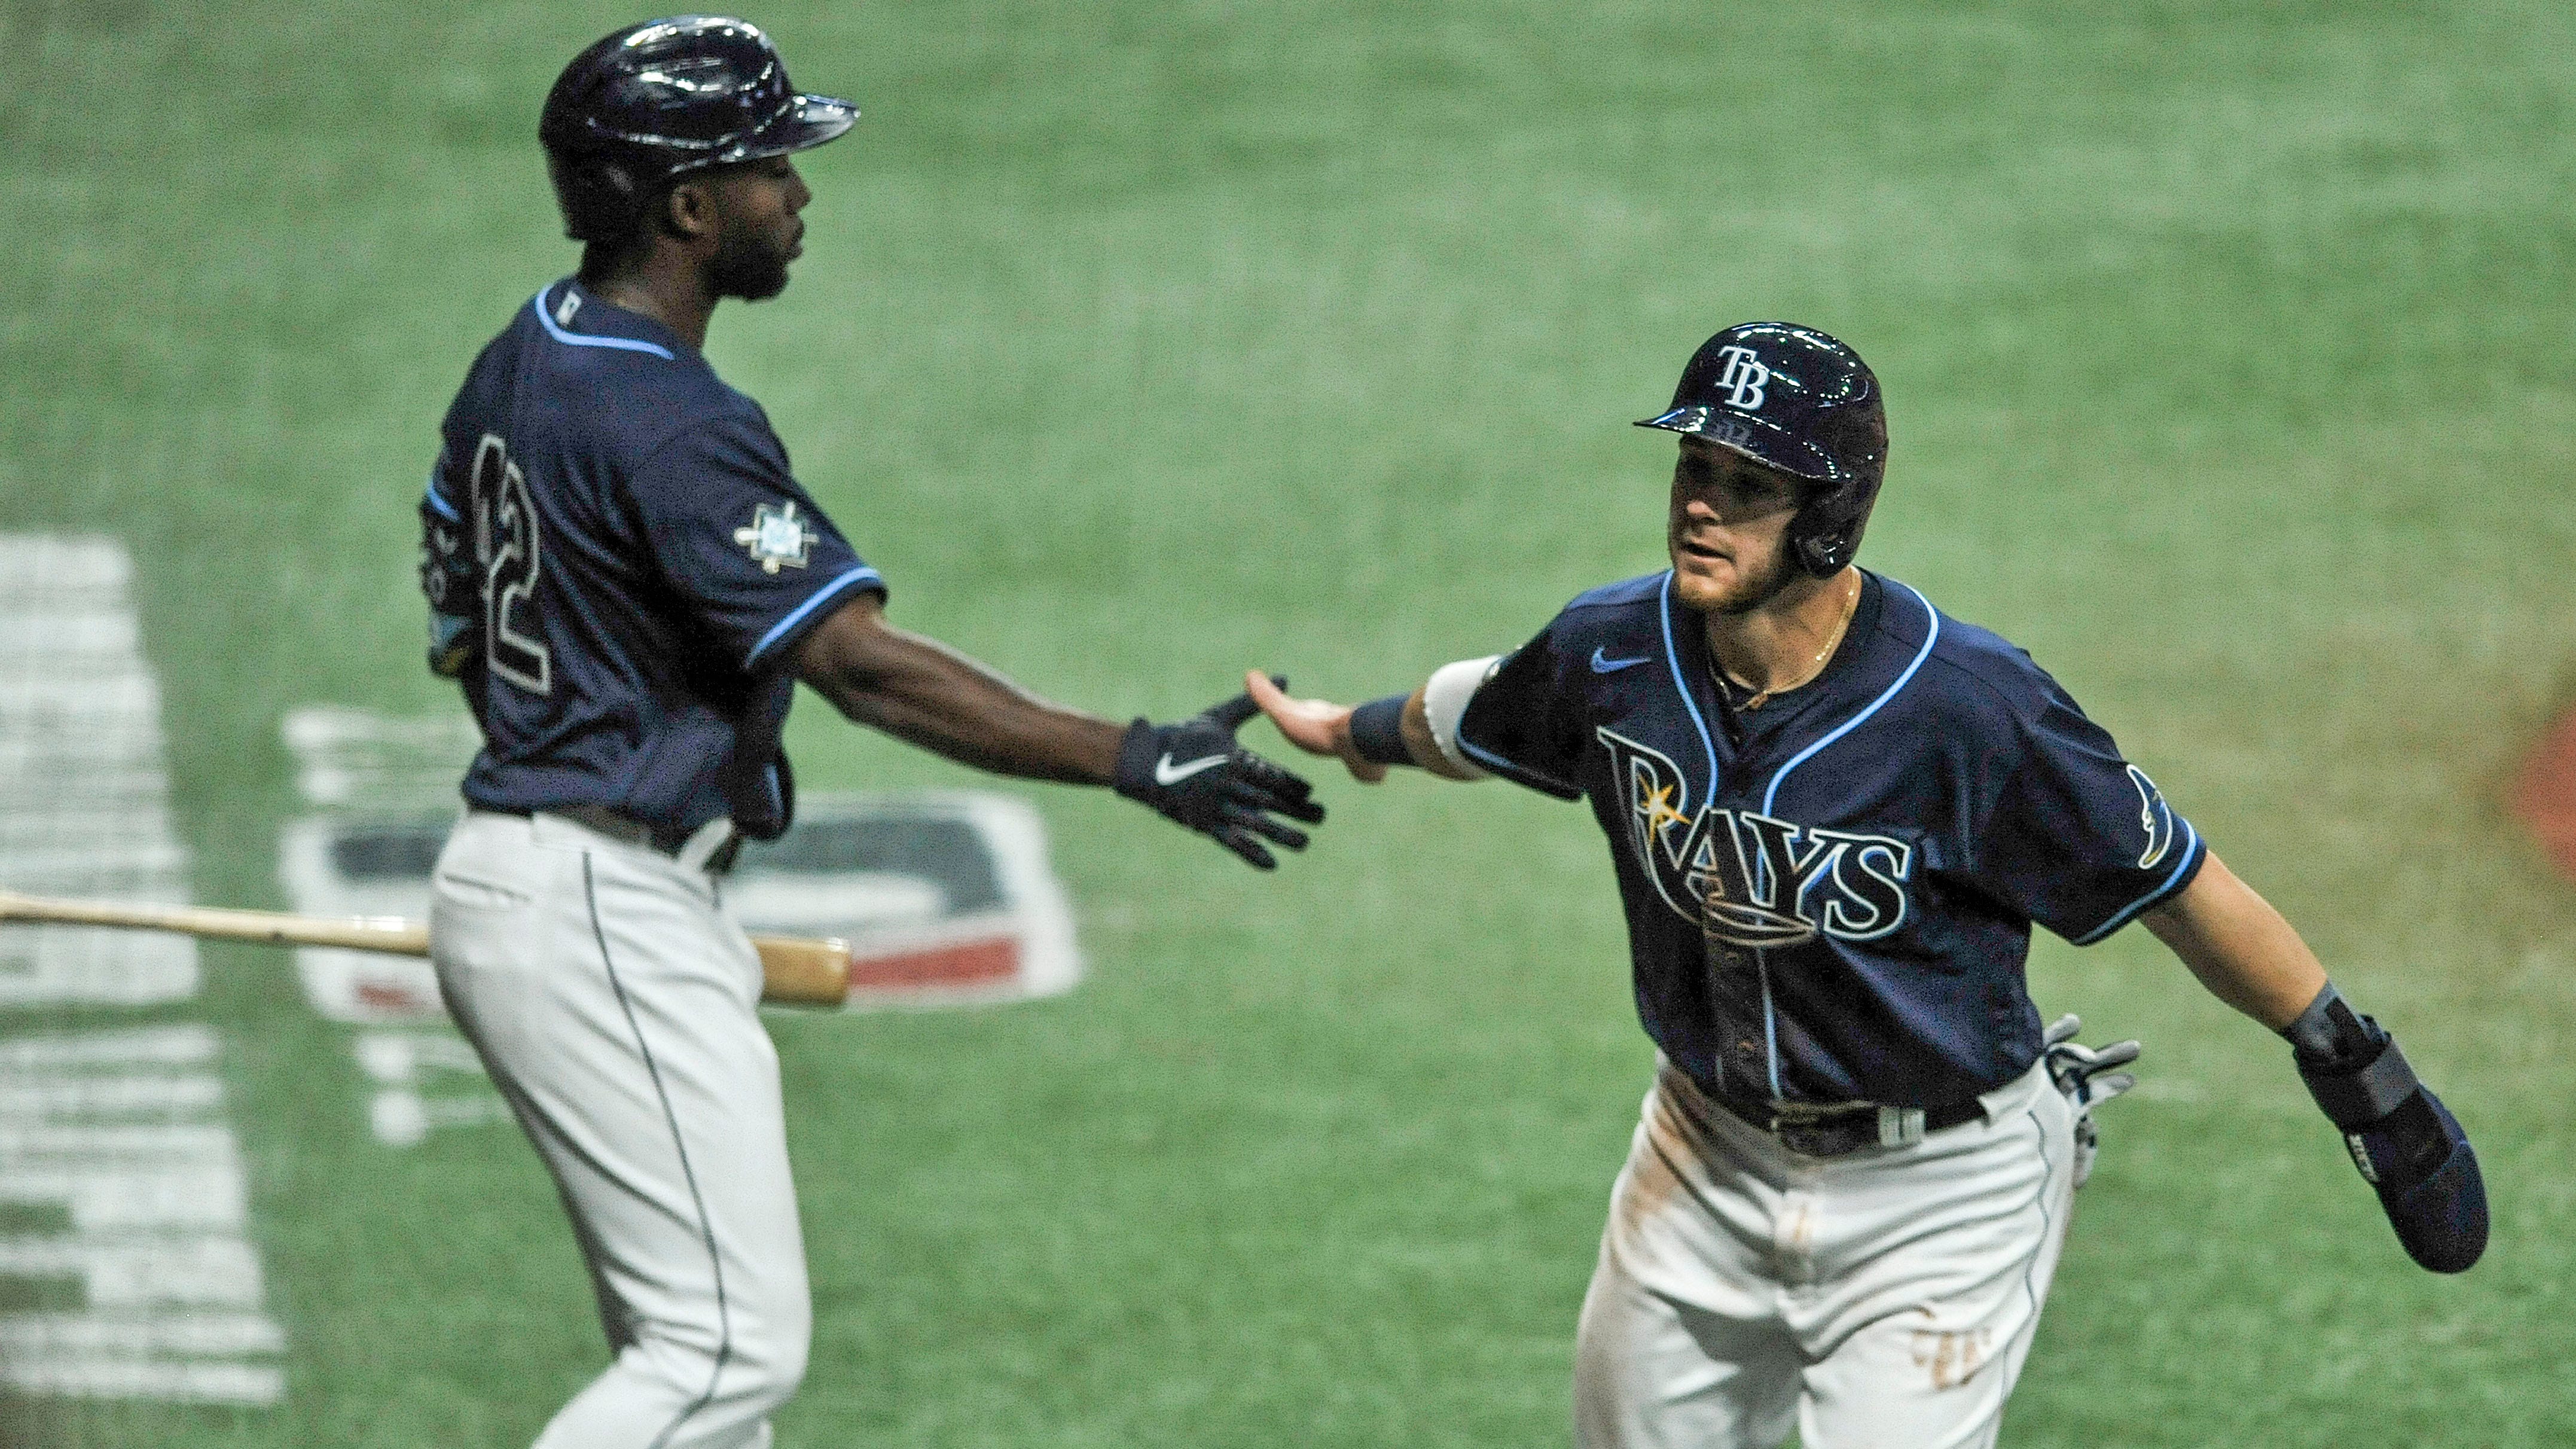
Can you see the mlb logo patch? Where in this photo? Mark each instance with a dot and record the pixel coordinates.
(776, 538)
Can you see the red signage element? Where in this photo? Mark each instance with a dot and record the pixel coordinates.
(2544, 793)
(961, 963)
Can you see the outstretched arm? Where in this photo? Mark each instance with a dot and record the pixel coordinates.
(1321, 727)
(920, 690)
(2239, 947)
(925, 693)
(2406, 1143)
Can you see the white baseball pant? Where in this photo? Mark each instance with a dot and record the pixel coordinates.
(615, 1003)
(1884, 1299)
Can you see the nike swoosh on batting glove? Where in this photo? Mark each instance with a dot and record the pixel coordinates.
(1195, 774)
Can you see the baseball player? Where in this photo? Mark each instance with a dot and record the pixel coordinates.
(628, 581)
(1835, 813)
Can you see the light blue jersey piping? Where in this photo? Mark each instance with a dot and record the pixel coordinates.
(584, 339)
(1761, 957)
(1508, 769)
(1681, 686)
(1931, 636)
(2127, 913)
(860, 575)
(1673, 658)
(438, 500)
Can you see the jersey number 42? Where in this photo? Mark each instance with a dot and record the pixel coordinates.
(505, 546)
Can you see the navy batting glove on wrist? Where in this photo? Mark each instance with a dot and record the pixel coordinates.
(1194, 773)
(2409, 1147)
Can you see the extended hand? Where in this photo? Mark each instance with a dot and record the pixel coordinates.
(1317, 726)
(1194, 773)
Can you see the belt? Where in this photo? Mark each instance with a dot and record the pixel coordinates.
(1832, 1129)
(711, 847)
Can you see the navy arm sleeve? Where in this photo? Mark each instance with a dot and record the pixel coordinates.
(740, 540)
(2080, 840)
(1526, 724)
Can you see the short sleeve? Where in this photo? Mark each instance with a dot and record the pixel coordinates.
(737, 538)
(447, 577)
(2080, 840)
(1525, 725)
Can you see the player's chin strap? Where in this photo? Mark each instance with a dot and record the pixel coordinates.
(2409, 1148)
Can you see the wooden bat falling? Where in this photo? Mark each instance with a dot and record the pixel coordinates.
(795, 970)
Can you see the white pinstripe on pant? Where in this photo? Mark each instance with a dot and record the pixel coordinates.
(615, 1003)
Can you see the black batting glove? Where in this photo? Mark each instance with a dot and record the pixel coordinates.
(2409, 1147)
(1196, 774)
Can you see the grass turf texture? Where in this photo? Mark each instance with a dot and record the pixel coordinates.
(1139, 344)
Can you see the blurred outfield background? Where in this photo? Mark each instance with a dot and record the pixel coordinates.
(1140, 343)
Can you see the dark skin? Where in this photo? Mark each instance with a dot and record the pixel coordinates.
(714, 229)
(672, 275)
(925, 693)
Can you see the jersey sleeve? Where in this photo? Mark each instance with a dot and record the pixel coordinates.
(447, 576)
(1525, 724)
(2080, 840)
(739, 539)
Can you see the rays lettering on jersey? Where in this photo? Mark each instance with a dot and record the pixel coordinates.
(1765, 882)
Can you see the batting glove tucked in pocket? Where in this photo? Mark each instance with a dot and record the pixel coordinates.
(1194, 773)
(2084, 1074)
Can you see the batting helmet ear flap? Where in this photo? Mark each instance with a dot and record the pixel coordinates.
(1824, 555)
(1826, 533)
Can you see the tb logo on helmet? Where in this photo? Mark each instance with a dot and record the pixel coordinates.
(1744, 378)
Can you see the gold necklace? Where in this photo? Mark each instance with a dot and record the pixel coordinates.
(1815, 666)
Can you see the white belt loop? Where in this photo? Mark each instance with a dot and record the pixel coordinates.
(1899, 1126)
(2009, 1098)
(701, 847)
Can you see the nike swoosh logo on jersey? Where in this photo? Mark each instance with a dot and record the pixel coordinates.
(1167, 773)
(1601, 665)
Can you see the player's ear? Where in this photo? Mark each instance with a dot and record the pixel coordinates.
(688, 210)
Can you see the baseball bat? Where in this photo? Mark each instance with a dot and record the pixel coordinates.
(794, 970)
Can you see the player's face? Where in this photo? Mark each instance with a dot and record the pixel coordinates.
(759, 231)
(1728, 530)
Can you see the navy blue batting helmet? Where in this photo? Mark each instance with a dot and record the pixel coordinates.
(1793, 399)
(651, 103)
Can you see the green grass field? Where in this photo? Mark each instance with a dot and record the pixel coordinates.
(1142, 343)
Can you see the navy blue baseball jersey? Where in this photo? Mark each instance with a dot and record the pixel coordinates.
(619, 563)
(1829, 898)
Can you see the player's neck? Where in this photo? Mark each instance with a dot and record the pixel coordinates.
(1789, 639)
(671, 289)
